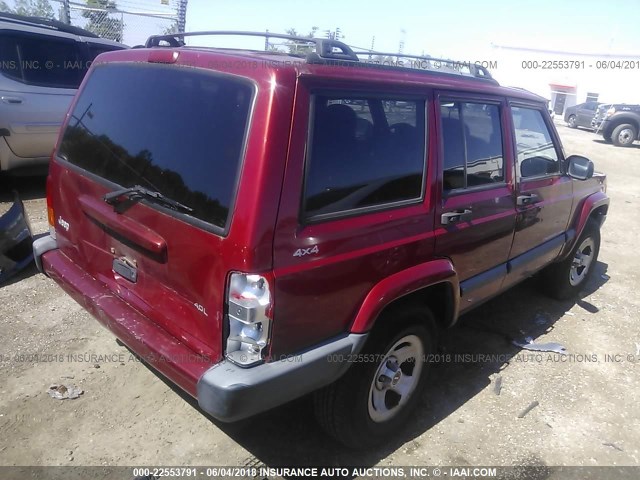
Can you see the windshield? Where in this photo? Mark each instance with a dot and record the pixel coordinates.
(177, 131)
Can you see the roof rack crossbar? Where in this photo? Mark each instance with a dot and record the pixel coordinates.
(324, 48)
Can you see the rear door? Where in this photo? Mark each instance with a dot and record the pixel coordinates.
(544, 193)
(40, 74)
(475, 217)
(180, 131)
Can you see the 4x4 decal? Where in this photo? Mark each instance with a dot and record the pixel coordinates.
(301, 252)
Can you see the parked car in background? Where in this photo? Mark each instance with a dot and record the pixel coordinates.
(618, 123)
(254, 247)
(580, 115)
(42, 63)
(15, 240)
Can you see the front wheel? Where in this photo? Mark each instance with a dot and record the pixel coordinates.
(624, 135)
(383, 386)
(565, 279)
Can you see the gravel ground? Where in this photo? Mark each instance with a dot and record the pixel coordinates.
(588, 411)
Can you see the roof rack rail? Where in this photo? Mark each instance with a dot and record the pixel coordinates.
(331, 51)
(325, 48)
(46, 22)
(435, 64)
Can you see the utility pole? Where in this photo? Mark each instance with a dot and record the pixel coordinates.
(333, 34)
(66, 12)
(182, 15)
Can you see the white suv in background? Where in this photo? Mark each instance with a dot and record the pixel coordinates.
(42, 63)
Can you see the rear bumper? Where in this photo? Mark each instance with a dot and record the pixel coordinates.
(153, 344)
(229, 393)
(225, 391)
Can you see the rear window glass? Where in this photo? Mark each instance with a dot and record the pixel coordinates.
(178, 131)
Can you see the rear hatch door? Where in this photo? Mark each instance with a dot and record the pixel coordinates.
(175, 137)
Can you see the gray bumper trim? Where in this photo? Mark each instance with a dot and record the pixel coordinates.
(42, 246)
(229, 393)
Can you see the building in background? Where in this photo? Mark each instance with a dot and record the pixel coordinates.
(569, 78)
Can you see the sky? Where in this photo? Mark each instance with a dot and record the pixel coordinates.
(451, 29)
(463, 30)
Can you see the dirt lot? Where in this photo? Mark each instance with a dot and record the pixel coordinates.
(588, 411)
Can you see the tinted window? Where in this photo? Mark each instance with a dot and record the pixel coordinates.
(41, 60)
(536, 152)
(178, 131)
(364, 152)
(472, 144)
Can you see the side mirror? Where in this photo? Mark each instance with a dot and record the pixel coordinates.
(580, 168)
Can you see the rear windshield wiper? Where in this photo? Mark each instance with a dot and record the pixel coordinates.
(123, 199)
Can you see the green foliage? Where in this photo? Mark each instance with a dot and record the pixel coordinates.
(101, 22)
(30, 8)
(300, 48)
(171, 29)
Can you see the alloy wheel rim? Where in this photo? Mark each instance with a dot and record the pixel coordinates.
(396, 378)
(582, 261)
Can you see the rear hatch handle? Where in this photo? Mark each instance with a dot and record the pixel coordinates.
(124, 228)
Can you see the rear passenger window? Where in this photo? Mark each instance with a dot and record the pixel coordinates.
(40, 60)
(536, 153)
(472, 144)
(364, 153)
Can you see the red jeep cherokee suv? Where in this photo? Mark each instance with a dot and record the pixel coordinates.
(258, 226)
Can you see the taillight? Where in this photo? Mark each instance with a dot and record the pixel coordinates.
(249, 307)
(51, 216)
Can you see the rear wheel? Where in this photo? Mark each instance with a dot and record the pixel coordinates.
(572, 122)
(565, 279)
(624, 135)
(378, 393)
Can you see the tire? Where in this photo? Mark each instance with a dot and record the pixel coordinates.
(624, 135)
(572, 122)
(567, 278)
(363, 408)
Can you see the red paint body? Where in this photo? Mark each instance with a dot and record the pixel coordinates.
(177, 306)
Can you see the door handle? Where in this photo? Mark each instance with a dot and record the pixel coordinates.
(12, 100)
(456, 216)
(528, 199)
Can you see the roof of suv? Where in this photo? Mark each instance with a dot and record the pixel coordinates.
(38, 25)
(441, 73)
